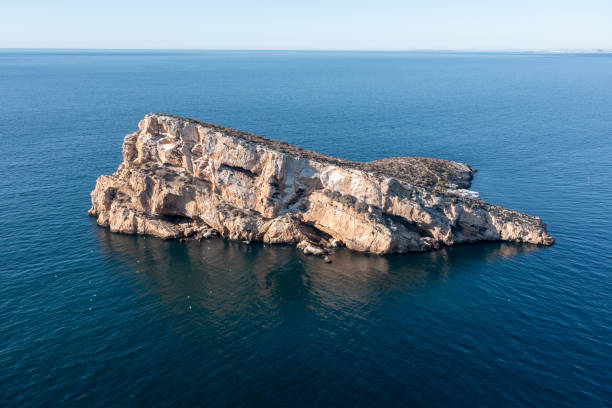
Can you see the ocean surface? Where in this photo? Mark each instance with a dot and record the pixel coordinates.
(91, 318)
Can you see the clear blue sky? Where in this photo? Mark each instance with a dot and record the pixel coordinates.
(354, 24)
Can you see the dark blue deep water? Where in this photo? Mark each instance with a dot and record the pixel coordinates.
(90, 318)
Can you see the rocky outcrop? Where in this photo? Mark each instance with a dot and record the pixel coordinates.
(182, 178)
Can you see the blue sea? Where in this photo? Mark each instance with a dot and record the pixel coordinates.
(95, 319)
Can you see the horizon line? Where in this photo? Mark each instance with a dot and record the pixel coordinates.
(459, 50)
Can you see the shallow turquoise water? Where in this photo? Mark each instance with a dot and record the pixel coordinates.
(90, 318)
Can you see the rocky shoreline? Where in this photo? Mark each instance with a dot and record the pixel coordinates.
(185, 179)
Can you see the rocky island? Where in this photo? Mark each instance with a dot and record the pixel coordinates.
(182, 178)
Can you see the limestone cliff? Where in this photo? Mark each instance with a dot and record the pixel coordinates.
(181, 178)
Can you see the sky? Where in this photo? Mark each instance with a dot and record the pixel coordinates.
(475, 25)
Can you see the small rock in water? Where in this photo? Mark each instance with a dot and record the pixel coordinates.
(310, 248)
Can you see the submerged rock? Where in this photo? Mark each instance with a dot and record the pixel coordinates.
(182, 178)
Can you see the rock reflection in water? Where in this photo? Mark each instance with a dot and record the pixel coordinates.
(226, 278)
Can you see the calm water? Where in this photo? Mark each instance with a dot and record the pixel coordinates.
(90, 318)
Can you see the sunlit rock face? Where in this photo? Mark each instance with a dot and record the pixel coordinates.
(181, 178)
